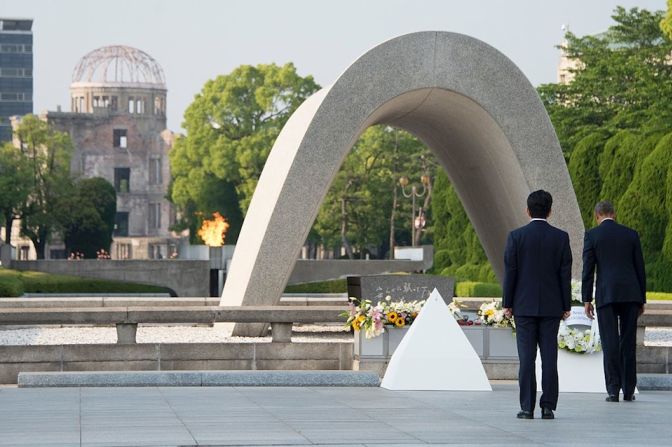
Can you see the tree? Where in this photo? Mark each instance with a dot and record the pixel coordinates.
(48, 152)
(666, 22)
(15, 185)
(364, 210)
(86, 217)
(613, 121)
(619, 81)
(231, 126)
(457, 249)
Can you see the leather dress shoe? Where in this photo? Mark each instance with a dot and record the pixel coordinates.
(525, 415)
(547, 413)
(629, 397)
(612, 398)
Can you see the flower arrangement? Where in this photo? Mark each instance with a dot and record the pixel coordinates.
(577, 299)
(455, 307)
(363, 315)
(492, 314)
(577, 340)
(75, 256)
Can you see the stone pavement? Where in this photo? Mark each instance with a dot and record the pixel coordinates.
(328, 416)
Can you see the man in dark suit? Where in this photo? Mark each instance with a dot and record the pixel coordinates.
(620, 293)
(537, 291)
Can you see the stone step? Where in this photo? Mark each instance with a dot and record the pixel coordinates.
(654, 382)
(198, 378)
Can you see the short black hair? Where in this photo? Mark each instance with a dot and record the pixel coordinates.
(539, 204)
(604, 208)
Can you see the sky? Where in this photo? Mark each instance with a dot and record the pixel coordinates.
(197, 40)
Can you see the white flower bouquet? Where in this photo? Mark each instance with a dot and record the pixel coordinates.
(582, 341)
(492, 314)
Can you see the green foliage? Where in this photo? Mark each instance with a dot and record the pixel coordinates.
(666, 22)
(10, 283)
(87, 217)
(478, 289)
(458, 250)
(48, 153)
(441, 260)
(231, 126)
(335, 286)
(584, 168)
(621, 78)
(658, 296)
(38, 282)
(365, 202)
(15, 185)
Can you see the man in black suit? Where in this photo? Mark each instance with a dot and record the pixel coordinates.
(620, 293)
(537, 291)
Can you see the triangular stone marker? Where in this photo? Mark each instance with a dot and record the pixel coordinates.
(435, 355)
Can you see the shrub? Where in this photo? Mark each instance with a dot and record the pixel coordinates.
(38, 282)
(584, 168)
(656, 296)
(441, 260)
(10, 284)
(478, 289)
(336, 286)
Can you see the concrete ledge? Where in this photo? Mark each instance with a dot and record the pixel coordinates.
(654, 382)
(198, 378)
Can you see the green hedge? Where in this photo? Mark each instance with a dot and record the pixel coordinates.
(658, 296)
(10, 283)
(335, 286)
(38, 282)
(478, 289)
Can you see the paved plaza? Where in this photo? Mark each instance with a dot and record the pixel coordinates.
(324, 416)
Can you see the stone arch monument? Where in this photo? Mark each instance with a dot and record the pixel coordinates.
(464, 99)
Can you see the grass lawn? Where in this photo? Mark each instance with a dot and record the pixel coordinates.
(16, 283)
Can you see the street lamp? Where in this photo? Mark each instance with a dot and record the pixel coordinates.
(417, 222)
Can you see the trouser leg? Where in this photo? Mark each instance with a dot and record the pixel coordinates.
(548, 348)
(607, 318)
(628, 314)
(526, 340)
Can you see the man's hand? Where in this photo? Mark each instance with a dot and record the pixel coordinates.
(641, 310)
(566, 314)
(588, 308)
(508, 312)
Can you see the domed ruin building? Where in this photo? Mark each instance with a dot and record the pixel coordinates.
(118, 126)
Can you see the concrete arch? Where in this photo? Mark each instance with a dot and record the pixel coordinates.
(467, 101)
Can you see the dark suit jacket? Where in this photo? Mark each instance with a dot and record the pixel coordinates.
(538, 271)
(615, 251)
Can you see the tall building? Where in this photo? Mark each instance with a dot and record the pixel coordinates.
(16, 72)
(117, 124)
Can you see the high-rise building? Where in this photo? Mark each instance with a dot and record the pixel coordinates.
(16, 71)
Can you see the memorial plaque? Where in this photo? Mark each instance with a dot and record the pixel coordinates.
(400, 287)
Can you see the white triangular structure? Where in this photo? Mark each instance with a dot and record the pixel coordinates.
(435, 355)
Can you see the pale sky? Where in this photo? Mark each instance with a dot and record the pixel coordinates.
(196, 40)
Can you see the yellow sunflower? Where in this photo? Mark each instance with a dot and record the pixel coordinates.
(392, 317)
(355, 324)
(400, 322)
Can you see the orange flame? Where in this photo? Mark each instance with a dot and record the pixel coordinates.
(213, 231)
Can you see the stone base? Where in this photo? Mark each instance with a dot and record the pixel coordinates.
(197, 378)
(173, 357)
(494, 369)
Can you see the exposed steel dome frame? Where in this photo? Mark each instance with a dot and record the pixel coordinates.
(118, 65)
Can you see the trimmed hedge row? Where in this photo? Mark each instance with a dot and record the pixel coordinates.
(478, 289)
(10, 283)
(658, 296)
(14, 283)
(335, 286)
